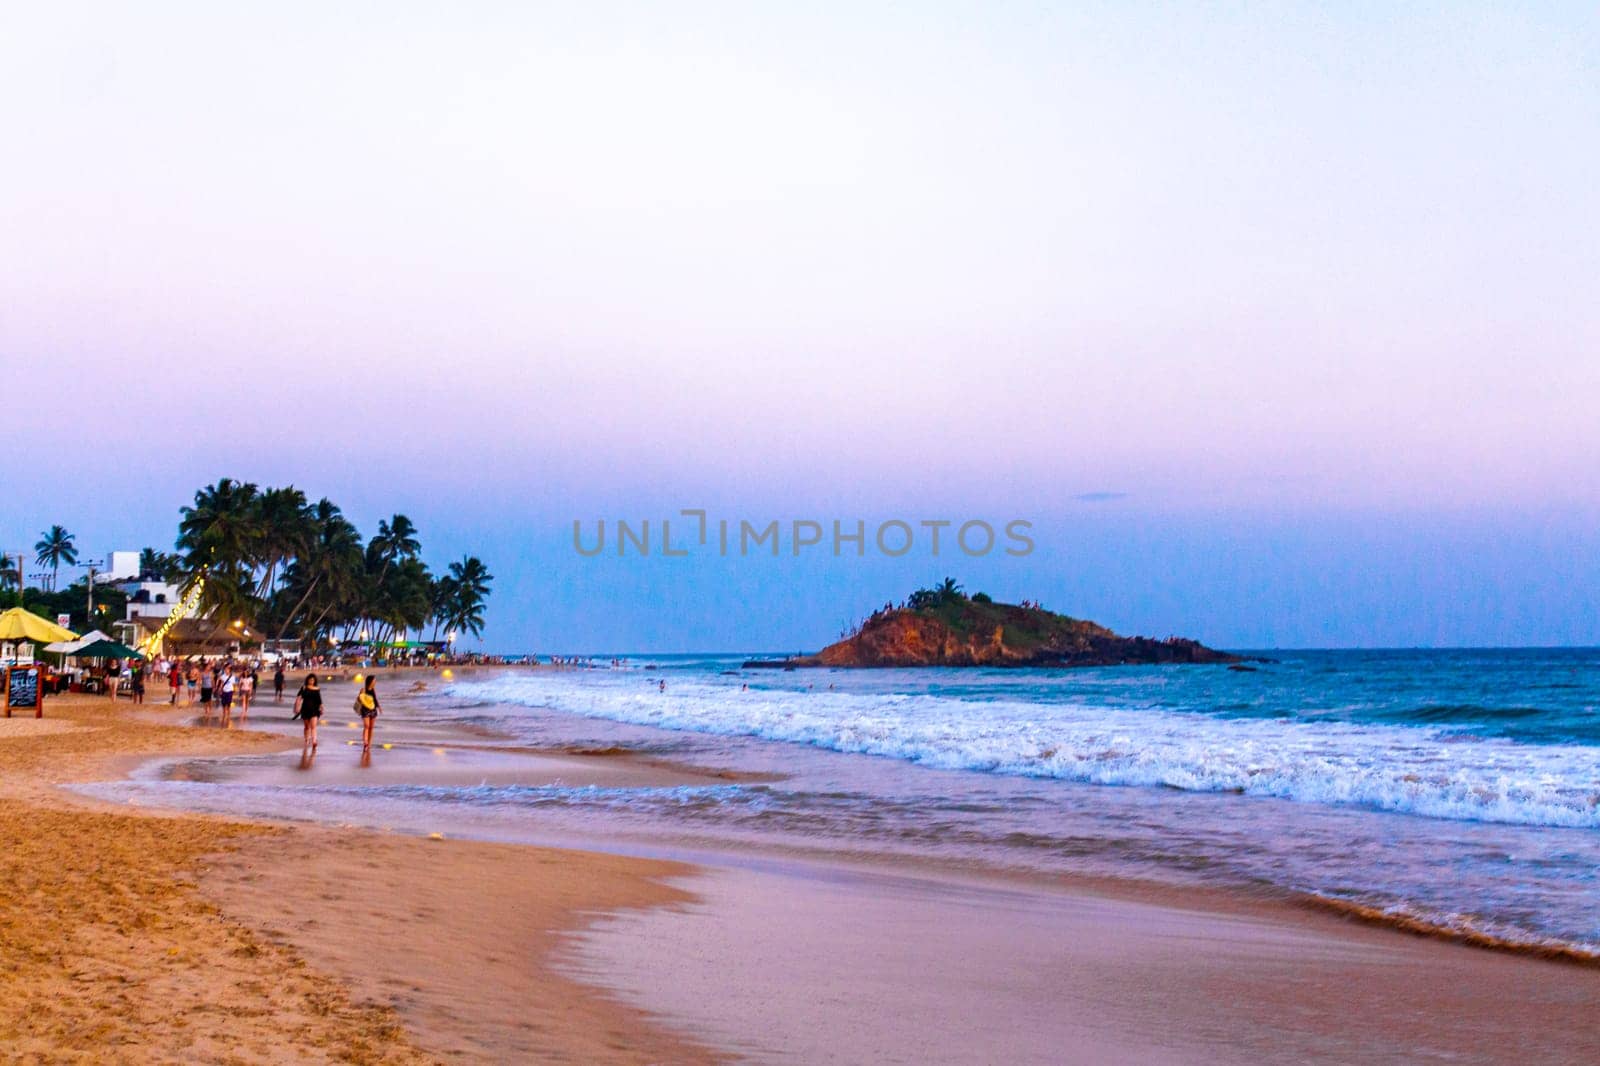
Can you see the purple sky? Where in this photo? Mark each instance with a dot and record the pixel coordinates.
(1318, 290)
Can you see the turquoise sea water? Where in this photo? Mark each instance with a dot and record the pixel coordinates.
(1498, 736)
(1461, 787)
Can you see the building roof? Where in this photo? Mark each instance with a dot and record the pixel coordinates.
(191, 634)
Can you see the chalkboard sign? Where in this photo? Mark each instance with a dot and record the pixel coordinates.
(23, 689)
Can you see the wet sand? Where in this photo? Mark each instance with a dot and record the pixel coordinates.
(397, 948)
(338, 763)
(823, 963)
(142, 936)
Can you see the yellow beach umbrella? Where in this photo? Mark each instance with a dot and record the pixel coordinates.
(17, 624)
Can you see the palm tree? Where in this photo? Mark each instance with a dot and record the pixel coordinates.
(223, 528)
(326, 574)
(222, 536)
(8, 573)
(396, 540)
(446, 590)
(54, 548)
(163, 565)
(394, 545)
(405, 598)
(285, 530)
(471, 580)
(949, 589)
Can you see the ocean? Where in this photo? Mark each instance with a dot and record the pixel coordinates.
(1456, 789)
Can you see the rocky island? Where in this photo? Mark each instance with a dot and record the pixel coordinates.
(943, 626)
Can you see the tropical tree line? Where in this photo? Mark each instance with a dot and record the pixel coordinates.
(281, 566)
(286, 567)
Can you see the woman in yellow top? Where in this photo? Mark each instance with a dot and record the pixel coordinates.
(367, 707)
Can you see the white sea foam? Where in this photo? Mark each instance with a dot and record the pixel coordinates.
(1411, 769)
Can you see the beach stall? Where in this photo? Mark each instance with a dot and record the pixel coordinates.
(71, 676)
(411, 651)
(25, 679)
(103, 650)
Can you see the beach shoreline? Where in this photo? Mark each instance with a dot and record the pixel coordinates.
(628, 958)
(198, 966)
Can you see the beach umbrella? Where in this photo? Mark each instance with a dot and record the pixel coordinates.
(106, 649)
(18, 624)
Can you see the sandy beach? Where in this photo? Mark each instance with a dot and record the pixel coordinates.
(944, 534)
(161, 938)
(185, 937)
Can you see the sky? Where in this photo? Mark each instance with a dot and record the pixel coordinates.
(1280, 325)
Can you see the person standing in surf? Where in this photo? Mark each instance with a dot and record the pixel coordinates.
(308, 708)
(367, 707)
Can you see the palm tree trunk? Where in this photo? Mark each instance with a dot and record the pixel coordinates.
(320, 617)
(266, 578)
(290, 616)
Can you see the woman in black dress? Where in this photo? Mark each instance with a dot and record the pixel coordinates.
(308, 708)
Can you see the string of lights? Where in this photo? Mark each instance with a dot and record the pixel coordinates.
(190, 599)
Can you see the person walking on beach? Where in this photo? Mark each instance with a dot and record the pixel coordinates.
(174, 680)
(308, 708)
(137, 683)
(367, 707)
(246, 689)
(226, 687)
(208, 685)
(277, 682)
(194, 682)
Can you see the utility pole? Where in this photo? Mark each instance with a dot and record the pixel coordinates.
(92, 565)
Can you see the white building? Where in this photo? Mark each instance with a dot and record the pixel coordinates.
(120, 566)
(150, 599)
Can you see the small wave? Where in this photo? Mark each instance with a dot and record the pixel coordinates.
(1460, 929)
(1468, 712)
(536, 796)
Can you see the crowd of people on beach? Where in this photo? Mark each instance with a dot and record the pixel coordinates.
(216, 686)
(227, 688)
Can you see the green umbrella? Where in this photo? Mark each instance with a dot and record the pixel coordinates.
(105, 649)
